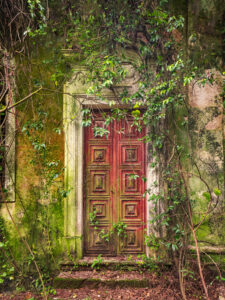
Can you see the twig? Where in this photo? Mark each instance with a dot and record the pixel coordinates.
(20, 101)
(191, 225)
(181, 276)
(209, 211)
(4, 93)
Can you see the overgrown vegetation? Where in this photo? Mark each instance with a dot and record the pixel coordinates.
(112, 40)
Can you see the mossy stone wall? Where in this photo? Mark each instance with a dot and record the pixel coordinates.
(39, 208)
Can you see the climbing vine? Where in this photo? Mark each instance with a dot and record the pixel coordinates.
(112, 41)
(164, 71)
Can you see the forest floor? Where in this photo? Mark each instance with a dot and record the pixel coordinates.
(166, 287)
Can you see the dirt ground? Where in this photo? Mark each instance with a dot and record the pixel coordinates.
(166, 287)
(158, 293)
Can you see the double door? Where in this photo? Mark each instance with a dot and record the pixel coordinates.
(114, 187)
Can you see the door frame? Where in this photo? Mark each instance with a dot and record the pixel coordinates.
(74, 98)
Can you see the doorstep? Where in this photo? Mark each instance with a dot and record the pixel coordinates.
(108, 278)
(111, 263)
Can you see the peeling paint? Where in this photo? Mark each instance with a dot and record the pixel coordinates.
(215, 124)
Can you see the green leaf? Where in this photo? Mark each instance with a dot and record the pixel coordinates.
(136, 113)
(217, 192)
(174, 247)
(136, 105)
(206, 195)
(57, 130)
(134, 176)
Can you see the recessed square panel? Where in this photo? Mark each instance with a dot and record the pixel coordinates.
(130, 131)
(132, 242)
(131, 182)
(131, 210)
(99, 182)
(101, 208)
(99, 154)
(131, 238)
(130, 154)
(96, 240)
(98, 133)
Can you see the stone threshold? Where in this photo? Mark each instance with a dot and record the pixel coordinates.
(112, 263)
(129, 263)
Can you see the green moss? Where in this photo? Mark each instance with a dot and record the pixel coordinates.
(40, 219)
(37, 213)
(126, 283)
(67, 283)
(74, 283)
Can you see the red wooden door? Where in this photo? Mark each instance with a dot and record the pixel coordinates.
(114, 188)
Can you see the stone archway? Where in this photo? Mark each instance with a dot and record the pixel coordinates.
(75, 98)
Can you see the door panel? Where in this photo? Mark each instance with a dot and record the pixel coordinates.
(114, 167)
(130, 170)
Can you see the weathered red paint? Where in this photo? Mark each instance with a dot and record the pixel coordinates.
(110, 189)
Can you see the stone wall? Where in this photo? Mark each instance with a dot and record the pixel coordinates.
(206, 141)
(35, 214)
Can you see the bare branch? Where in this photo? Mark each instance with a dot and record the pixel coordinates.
(21, 101)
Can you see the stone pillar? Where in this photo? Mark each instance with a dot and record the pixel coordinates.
(73, 208)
